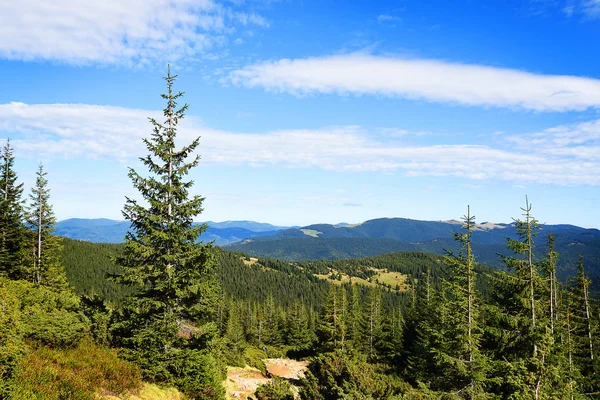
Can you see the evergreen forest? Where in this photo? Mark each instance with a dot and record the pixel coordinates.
(168, 312)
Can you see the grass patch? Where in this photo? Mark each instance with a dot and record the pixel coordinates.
(311, 232)
(151, 392)
(382, 277)
(79, 373)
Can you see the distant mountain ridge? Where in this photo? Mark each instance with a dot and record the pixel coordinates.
(417, 231)
(102, 230)
(372, 237)
(383, 235)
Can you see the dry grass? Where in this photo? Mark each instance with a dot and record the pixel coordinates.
(381, 277)
(150, 392)
(242, 382)
(251, 261)
(311, 232)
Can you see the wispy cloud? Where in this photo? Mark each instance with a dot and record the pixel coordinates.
(587, 9)
(555, 156)
(592, 8)
(388, 18)
(438, 81)
(578, 141)
(129, 32)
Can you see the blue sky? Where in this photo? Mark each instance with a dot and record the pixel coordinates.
(314, 111)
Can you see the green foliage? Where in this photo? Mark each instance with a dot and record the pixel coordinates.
(78, 373)
(172, 275)
(276, 389)
(44, 266)
(11, 336)
(196, 373)
(340, 375)
(57, 328)
(88, 264)
(254, 357)
(12, 231)
(48, 316)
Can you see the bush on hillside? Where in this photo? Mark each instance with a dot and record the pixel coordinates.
(276, 389)
(77, 373)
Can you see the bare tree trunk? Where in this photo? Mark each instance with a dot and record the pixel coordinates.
(469, 288)
(587, 317)
(552, 284)
(531, 269)
(39, 238)
(5, 195)
(259, 332)
(570, 352)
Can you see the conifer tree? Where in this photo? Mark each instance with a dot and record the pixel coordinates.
(12, 231)
(463, 363)
(331, 330)
(271, 334)
(390, 347)
(583, 331)
(174, 274)
(298, 335)
(549, 271)
(519, 324)
(355, 315)
(44, 267)
(372, 324)
(235, 335)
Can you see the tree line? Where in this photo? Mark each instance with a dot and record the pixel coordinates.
(179, 311)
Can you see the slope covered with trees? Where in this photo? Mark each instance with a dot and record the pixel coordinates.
(177, 311)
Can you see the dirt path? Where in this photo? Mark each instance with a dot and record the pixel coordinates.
(289, 369)
(242, 382)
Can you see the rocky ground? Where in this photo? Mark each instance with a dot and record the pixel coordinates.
(242, 382)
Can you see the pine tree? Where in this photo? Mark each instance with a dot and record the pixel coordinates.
(462, 360)
(174, 274)
(298, 337)
(372, 324)
(519, 330)
(12, 231)
(583, 331)
(330, 330)
(235, 335)
(45, 267)
(355, 315)
(271, 334)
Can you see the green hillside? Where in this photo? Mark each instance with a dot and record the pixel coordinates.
(310, 248)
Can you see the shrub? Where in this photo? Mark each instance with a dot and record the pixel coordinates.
(11, 344)
(57, 328)
(276, 389)
(254, 357)
(340, 375)
(77, 373)
(196, 373)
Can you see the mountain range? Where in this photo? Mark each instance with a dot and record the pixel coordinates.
(373, 237)
(384, 235)
(104, 230)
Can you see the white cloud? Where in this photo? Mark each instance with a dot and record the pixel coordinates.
(76, 130)
(439, 81)
(388, 18)
(578, 141)
(132, 32)
(592, 8)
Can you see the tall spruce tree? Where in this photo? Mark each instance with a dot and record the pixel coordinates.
(174, 274)
(44, 264)
(462, 360)
(519, 330)
(12, 231)
(584, 329)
